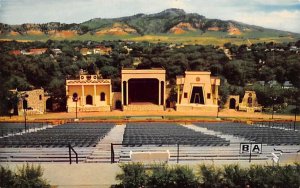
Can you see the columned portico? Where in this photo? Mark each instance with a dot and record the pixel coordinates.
(143, 89)
(93, 94)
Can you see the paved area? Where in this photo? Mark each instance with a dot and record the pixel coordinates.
(117, 115)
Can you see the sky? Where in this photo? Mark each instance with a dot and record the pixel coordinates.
(276, 14)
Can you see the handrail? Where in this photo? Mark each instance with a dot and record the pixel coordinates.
(70, 154)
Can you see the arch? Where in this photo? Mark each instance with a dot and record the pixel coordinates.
(249, 101)
(49, 104)
(25, 104)
(75, 96)
(118, 105)
(232, 103)
(102, 96)
(89, 100)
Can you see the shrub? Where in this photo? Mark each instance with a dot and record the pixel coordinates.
(210, 176)
(257, 176)
(234, 176)
(161, 176)
(133, 175)
(185, 177)
(7, 177)
(28, 176)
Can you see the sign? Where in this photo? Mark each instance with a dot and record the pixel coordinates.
(250, 148)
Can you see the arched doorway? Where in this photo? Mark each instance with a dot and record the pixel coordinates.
(250, 101)
(89, 100)
(232, 103)
(102, 96)
(49, 105)
(118, 105)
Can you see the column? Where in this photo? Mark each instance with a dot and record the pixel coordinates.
(110, 95)
(159, 92)
(82, 97)
(127, 92)
(95, 96)
(178, 93)
(217, 93)
(122, 93)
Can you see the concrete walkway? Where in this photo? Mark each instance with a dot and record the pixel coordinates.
(102, 152)
(77, 175)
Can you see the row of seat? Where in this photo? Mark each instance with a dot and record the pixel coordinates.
(167, 134)
(76, 134)
(256, 133)
(15, 128)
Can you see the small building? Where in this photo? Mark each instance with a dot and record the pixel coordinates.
(232, 102)
(249, 102)
(102, 50)
(33, 101)
(89, 93)
(197, 91)
(143, 89)
(86, 51)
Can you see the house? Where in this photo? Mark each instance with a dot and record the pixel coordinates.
(15, 52)
(37, 51)
(86, 51)
(102, 50)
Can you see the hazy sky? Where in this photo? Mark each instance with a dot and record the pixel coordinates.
(277, 14)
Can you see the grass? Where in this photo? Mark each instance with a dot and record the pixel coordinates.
(211, 37)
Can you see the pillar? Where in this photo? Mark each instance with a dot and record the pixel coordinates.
(110, 95)
(82, 97)
(178, 93)
(159, 92)
(95, 94)
(127, 92)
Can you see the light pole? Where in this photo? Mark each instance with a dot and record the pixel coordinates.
(273, 100)
(24, 96)
(75, 99)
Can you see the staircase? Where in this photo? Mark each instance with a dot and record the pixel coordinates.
(102, 152)
(143, 107)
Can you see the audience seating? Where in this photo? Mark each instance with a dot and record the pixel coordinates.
(137, 134)
(76, 134)
(256, 133)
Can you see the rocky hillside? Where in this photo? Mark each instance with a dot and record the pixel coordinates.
(172, 21)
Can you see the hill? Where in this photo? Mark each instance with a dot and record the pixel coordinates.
(171, 25)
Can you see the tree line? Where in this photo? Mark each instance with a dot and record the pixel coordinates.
(240, 67)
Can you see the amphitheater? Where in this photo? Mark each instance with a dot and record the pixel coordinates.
(99, 147)
(185, 142)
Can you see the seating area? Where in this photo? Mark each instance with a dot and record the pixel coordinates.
(137, 134)
(15, 128)
(77, 134)
(259, 134)
(279, 125)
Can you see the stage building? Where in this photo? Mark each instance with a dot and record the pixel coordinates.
(143, 89)
(197, 91)
(89, 93)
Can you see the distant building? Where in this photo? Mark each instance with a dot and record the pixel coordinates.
(33, 103)
(232, 102)
(249, 102)
(197, 91)
(89, 93)
(15, 52)
(86, 51)
(102, 50)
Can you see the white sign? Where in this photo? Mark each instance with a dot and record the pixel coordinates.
(251, 148)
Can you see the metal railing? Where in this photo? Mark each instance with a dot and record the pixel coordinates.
(70, 154)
